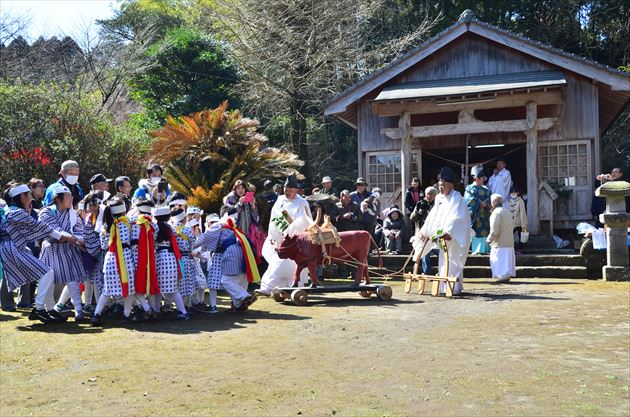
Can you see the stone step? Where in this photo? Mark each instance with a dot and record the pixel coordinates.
(572, 272)
(397, 261)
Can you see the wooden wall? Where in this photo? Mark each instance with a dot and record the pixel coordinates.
(472, 56)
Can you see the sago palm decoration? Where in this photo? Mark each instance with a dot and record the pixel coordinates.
(205, 152)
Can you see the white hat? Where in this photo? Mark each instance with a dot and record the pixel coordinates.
(161, 211)
(326, 179)
(19, 189)
(192, 223)
(212, 217)
(194, 210)
(69, 164)
(60, 189)
(179, 202)
(118, 208)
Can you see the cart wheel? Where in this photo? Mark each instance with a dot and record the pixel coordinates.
(278, 295)
(384, 293)
(365, 294)
(299, 297)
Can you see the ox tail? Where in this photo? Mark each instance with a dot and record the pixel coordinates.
(380, 260)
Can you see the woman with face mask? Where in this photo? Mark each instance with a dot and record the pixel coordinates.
(149, 188)
(68, 177)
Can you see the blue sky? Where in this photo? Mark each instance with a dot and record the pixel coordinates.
(58, 17)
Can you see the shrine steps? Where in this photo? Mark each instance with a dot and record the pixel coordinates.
(555, 265)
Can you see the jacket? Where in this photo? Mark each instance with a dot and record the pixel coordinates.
(501, 228)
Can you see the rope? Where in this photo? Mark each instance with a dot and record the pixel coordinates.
(472, 164)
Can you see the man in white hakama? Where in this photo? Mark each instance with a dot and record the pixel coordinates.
(280, 271)
(450, 216)
(500, 182)
(501, 240)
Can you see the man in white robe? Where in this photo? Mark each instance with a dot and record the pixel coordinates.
(500, 182)
(501, 240)
(450, 215)
(280, 271)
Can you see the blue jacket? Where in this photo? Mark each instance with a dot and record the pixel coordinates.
(77, 193)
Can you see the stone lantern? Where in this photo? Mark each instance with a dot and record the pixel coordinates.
(616, 219)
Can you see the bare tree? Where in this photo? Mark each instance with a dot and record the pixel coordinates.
(296, 54)
(12, 26)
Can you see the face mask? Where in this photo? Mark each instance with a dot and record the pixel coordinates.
(155, 180)
(513, 195)
(71, 179)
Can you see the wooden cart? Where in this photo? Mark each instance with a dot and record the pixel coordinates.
(299, 296)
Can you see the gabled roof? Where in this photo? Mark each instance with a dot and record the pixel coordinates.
(616, 80)
(472, 85)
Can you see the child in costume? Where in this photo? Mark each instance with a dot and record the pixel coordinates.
(143, 236)
(118, 268)
(232, 260)
(168, 264)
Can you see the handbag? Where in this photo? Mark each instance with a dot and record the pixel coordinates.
(256, 236)
(524, 237)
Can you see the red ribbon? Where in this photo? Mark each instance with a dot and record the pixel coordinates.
(146, 260)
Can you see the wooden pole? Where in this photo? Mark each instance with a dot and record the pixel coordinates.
(405, 153)
(532, 168)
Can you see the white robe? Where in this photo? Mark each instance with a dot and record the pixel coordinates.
(280, 271)
(503, 262)
(500, 183)
(450, 214)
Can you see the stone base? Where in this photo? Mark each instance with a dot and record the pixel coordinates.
(616, 273)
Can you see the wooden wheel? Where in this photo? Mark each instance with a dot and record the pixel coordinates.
(365, 294)
(278, 295)
(384, 292)
(299, 297)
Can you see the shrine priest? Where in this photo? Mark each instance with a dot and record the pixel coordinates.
(500, 182)
(280, 271)
(450, 219)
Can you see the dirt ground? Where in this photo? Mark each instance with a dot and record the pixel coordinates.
(533, 347)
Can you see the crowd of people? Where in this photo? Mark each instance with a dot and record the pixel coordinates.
(137, 253)
(132, 255)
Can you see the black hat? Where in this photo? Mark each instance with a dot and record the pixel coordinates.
(291, 182)
(267, 183)
(447, 174)
(477, 171)
(99, 178)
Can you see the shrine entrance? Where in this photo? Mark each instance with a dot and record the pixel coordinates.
(515, 155)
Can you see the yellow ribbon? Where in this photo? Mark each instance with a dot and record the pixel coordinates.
(179, 229)
(120, 255)
(144, 222)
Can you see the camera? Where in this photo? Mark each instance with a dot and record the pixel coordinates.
(162, 185)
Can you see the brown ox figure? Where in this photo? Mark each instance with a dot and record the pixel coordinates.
(355, 247)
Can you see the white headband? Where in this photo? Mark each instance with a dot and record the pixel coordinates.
(161, 211)
(145, 208)
(193, 223)
(181, 216)
(23, 188)
(181, 202)
(118, 209)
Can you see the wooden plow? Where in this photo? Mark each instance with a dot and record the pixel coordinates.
(435, 280)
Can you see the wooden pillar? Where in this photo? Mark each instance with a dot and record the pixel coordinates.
(532, 168)
(405, 154)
